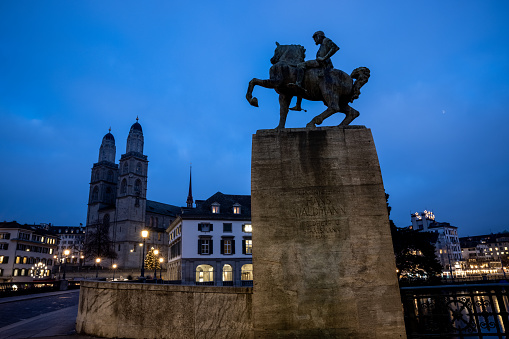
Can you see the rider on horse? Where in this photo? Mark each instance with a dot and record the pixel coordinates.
(327, 49)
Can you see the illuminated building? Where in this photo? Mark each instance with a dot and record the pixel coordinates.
(211, 244)
(24, 246)
(447, 247)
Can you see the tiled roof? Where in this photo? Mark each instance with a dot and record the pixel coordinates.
(37, 229)
(164, 209)
(226, 202)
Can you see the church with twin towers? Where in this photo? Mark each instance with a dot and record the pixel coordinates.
(118, 201)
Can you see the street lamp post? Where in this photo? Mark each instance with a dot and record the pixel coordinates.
(55, 260)
(97, 261)
(161, 268)
(144, 235)
(114, 267)
(66, 253)
(156, 252)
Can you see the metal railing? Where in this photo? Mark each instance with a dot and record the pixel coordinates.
(456, 311)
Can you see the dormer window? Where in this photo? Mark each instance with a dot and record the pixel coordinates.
(215, 208)
(236, 209)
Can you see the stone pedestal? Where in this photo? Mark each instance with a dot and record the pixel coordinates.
(322, 252)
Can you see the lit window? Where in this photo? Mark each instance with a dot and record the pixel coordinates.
(236, 209)
(247, 228)
(248, 246)
(227, 273)
(215, 208)
(247, 272)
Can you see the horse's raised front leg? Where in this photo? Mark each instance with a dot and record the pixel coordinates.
(321, 117)
(351, 114)
(264, 83)
(284, 104)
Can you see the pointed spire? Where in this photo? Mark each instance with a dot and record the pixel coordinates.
(137, 119)
(109, 129)
(190, 195)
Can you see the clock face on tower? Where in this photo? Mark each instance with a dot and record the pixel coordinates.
(38, 271)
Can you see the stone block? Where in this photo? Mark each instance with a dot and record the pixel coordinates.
(322, 250)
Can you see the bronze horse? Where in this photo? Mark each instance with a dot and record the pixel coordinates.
(334, 87)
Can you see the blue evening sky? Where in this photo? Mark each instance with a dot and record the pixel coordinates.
(437, 101)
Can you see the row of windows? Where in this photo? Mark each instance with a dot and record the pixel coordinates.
(176, 249)
(175, 233)
(71, 242)
(227, 227)
(24, 236)
(215, 208)
(4, 259)
(4, 246)
(206, 246)
(37, 249)
(205, 273)
(26, 272)
(5, 235)
(32, 260)
(40, 238)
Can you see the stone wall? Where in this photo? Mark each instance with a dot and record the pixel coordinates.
(133, 310)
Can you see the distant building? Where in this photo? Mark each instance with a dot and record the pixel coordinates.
(71, 238)
(26, 252)
(486, 254)
(211, 244)
(447, 247)
(118, 202)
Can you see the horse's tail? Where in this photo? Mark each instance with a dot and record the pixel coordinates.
(361, 76)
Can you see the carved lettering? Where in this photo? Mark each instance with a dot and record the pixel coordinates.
(321, 229)
(318, 205)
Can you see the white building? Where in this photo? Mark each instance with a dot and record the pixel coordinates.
(447, 247)
(26, 252)
(211, 244)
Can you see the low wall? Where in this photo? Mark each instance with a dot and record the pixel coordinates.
(135, 310)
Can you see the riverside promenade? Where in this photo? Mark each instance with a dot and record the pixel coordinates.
(40, 316)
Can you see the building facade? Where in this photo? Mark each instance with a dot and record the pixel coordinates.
(71, 238)
(486, 254)
(118, 202)
(447, 247)
(26, 252)
(211, 244)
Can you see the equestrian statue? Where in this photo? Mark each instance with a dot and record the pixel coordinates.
(315, 80)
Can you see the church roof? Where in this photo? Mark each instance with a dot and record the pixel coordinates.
(160, 208)
(136, 126)
(109, 136)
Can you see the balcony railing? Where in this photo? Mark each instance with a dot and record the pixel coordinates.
(460, 311)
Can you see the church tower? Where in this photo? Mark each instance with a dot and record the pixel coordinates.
(131, 197)
(103, 181)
